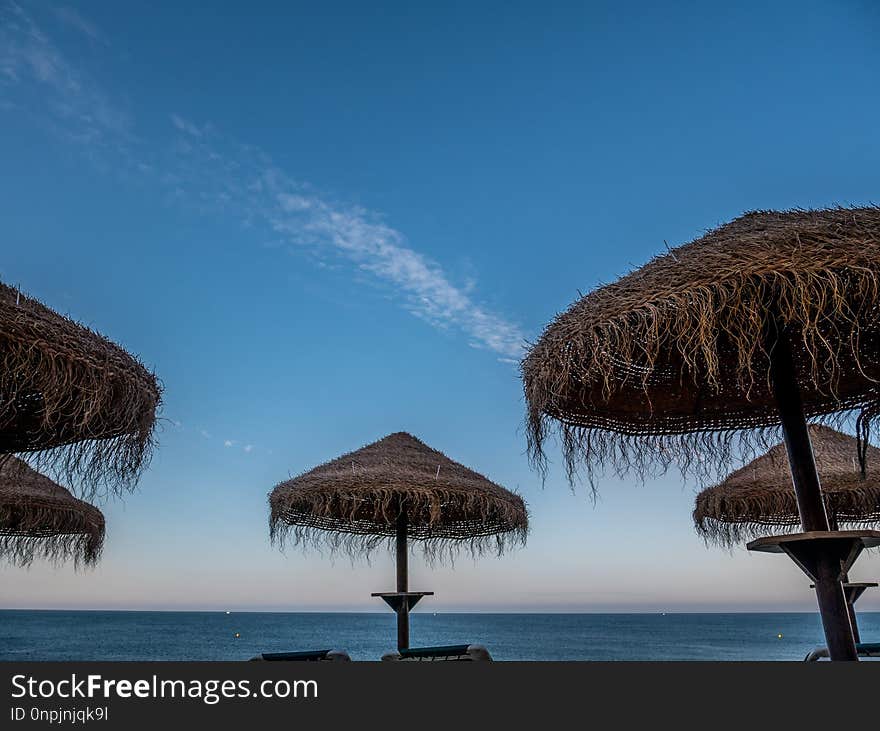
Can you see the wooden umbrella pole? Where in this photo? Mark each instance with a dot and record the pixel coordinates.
(834, 524)
(848, 593)
(853, 621)
(402, 582)
(829, 591)
(852, 594)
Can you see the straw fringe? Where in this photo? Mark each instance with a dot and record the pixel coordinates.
(354, 523)
(81, 406)
(57, 535)
(669, 364)
(351, 504)
(39, 519)
(760, 496)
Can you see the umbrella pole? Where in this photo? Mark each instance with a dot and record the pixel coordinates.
(853, 621)
(847, 591)
(833, 606)
(402, 583)
(402, 600)
(852, 593)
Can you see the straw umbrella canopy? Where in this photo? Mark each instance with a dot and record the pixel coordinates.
(395, 489)
(671, 361)
(355, 501)
(712, 348)
(70, 397)
(39, 518)
(759, 495)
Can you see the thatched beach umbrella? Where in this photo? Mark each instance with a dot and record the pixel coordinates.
(397, 488)
(757, 325)
(39, 518)
(760, 495)
(70, 397)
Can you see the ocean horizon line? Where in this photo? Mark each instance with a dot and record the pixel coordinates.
(425, 612)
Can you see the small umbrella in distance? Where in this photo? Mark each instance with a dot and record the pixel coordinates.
(397, 489)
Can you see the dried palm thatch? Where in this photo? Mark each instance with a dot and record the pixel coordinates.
(760, 495)
(76, 401)
(670, 363)
(353, 502)
(41, 519)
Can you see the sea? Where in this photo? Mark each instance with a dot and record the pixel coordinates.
(122, 635)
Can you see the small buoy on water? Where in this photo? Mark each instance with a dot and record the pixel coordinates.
(237, 635)
(779, 635)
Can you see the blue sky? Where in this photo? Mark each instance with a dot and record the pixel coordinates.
(321, 223)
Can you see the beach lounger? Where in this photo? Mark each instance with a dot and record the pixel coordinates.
(306, 656)
(864, 649)
(466, 653)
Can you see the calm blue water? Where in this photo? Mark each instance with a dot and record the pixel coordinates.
(62, 635)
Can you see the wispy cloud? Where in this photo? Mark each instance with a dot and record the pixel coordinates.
(185, 126)
(212, 172)
(72, 18)
(53, 89)
(383, 251)
(246, 448)
(230, 443)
